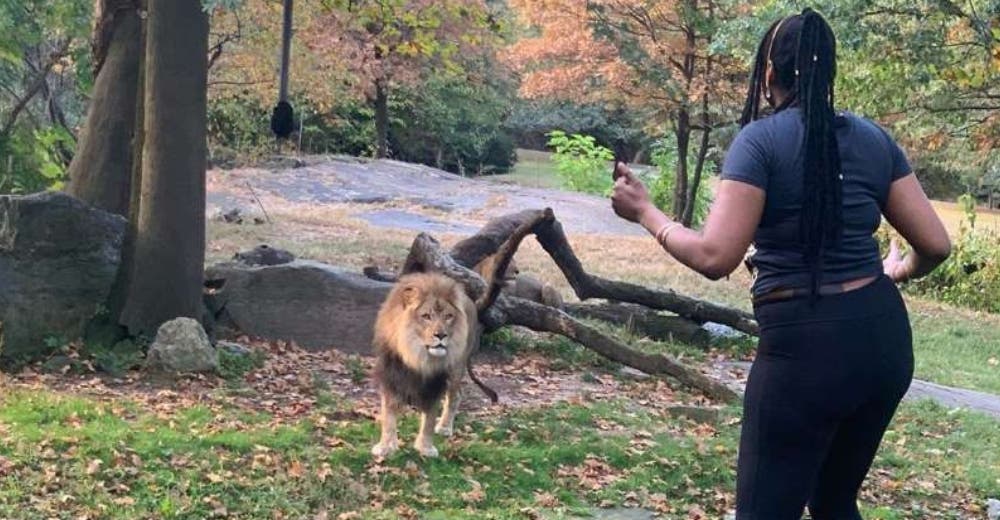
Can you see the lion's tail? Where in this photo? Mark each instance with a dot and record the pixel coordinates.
(482, 386)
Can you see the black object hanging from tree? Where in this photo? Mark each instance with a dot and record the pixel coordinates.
(283, 117)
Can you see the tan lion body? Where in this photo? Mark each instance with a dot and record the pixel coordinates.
(424, 334)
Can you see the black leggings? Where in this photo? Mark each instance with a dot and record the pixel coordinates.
(826, 382)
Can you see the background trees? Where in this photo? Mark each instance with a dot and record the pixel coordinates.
(657, 57)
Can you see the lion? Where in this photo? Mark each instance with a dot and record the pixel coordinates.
(424, 334)
(522, 285)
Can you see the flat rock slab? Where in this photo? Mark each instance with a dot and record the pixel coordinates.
(620, 513)
(469, 201)
(317, 306)
(397, 219)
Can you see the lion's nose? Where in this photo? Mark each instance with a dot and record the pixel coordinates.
(440, 335)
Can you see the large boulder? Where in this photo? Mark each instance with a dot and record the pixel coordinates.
(58, 260)
(181, 347)
(318, 306)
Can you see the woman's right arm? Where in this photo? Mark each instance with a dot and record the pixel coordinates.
(911, 214)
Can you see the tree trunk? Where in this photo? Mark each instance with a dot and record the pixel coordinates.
(102, 167)
(692, 193)
(381, 120)
(683, 134)
(119, 291)
(170, 235)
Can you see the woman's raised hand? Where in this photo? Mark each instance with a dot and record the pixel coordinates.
(630, 198)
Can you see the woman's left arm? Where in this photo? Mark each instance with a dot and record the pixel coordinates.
(720, 246)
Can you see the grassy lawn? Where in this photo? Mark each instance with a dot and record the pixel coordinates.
(148, 453)
(534, 169)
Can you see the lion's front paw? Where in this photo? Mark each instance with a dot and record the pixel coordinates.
(444, 430)
(384, 449)
(426, 449)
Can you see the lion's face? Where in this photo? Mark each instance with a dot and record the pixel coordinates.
(433, 322)
(429, 315)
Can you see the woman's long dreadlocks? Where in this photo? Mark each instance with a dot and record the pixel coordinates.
(802, 49)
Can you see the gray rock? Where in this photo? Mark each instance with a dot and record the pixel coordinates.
(620, 513)
(232, 348)
(993, 509)
(264, 255)
(318, 306)
(58, 260)
(181, 346)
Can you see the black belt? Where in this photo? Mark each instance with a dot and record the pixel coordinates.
(824, 290)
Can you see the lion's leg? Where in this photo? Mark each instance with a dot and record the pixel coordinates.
(446, 423)
(425, 439)
(389, 441)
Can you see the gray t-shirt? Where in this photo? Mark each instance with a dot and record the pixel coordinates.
(767, 154)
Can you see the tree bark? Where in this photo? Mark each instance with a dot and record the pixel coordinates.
(100, 172)
(170, 239)
(381, 119)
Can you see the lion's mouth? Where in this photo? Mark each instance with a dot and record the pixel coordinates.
(438, 350)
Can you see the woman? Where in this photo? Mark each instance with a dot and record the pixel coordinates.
(807, 186)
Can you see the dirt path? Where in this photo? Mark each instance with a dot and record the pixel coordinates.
(734, 373)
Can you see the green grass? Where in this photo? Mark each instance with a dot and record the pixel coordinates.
(534, 169)
(956, 350)
(65, 457)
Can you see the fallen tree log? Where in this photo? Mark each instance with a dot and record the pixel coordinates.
(587, 286)
(642, 320)
(516, 311)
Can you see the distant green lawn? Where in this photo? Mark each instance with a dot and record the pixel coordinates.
(534, 169)
(955, 347)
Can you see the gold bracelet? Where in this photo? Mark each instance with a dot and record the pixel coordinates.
(664, 232)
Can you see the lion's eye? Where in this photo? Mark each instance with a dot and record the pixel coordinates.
(449, 317)
(425, 316)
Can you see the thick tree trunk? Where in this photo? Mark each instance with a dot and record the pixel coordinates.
(381, 120)
(101, 169)
(119, 291)
(170, 239)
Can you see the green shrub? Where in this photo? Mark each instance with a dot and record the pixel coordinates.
(970, 277)
(661, 187)
(239, 130)
(581, 163)
(33, 160)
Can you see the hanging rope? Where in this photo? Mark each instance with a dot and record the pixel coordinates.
(283, 117)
